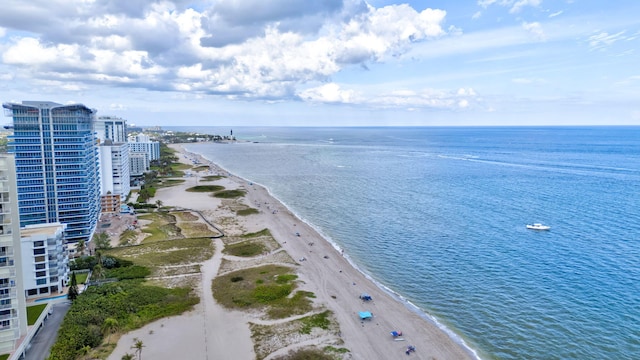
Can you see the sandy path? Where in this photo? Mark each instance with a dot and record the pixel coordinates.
(212, 332)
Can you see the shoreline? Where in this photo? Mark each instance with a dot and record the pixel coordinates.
(396, 296)
(322, 269)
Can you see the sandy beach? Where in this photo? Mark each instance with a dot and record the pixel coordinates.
(213, 332)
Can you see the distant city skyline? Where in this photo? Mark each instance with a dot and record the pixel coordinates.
(328, 63)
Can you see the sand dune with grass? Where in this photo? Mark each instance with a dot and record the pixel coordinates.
(259, 258)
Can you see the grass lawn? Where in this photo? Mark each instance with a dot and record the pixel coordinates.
(81, 277)
(33, 312)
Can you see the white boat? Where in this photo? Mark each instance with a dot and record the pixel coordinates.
(538, 226)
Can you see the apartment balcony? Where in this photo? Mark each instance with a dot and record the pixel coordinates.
(8, 317)
(8, 252)
(12, 294)
(7, 306)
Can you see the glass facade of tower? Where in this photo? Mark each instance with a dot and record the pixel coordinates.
(57, 170)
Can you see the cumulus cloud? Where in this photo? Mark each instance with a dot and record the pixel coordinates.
(239, 49)
(328, 93)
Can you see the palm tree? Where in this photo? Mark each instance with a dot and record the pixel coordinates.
(101, 240)
(138, 345)
(98, 272)
(127, 356)
(109, 326)
(81, 247)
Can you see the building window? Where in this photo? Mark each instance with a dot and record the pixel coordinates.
(41, 281)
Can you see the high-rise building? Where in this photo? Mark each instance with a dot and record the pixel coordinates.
(114, 169)
(141, 143)
(111, 128)
(57, 171)
(13, 318)
(138, 163)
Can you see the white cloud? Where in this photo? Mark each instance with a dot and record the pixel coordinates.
(535, 29)
(406, 99)
(276, 51)
(518, 5)
(328, 93)
(556, 14)
(603, 40)
(477, 15)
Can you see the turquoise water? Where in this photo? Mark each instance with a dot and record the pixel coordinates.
(438, 216)
(51, 298)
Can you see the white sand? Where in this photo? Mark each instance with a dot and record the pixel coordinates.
(213, 332)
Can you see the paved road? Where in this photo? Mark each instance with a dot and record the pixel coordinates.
(46, 336)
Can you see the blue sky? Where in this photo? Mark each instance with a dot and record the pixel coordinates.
(328, 62)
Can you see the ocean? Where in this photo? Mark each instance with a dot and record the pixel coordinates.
(437, 216)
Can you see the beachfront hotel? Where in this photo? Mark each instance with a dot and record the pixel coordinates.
(13, 313)
(56, 158)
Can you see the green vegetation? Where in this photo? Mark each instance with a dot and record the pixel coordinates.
(201, 168)
(185, 216)
(163, 183)
(81, 277)
(247, 211)
(318, 320)
(212, 178)
(205, 188)
(162, 232)
(307, 354)
(302, 329)
(162, 227)
(128, 272)
(266, 288)
(263, 232)
(196, 230)
(229, 194)
(168, 252)
(33, 313)
(130, 303)
(336, 350)
(127, 237)
(4, 357)
(101, 240)
(245, 249)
